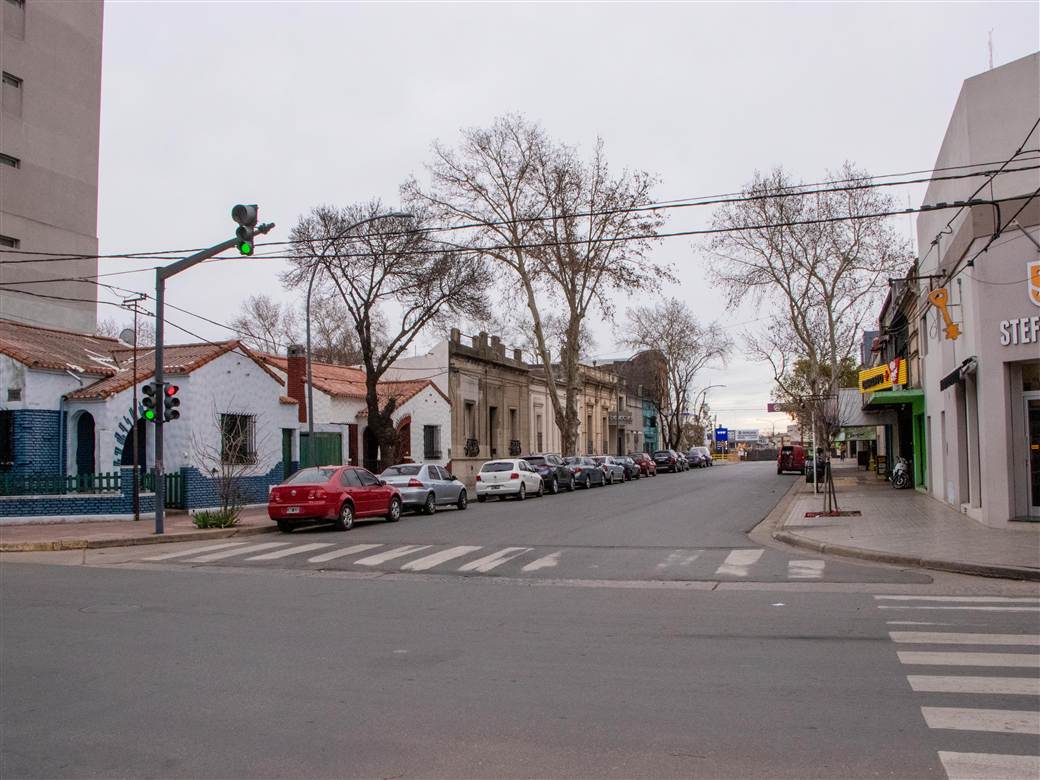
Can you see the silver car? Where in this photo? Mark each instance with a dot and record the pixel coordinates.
(425, 486)
(615, 471)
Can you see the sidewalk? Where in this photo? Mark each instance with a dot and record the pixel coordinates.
(905, 527)
(122, 533)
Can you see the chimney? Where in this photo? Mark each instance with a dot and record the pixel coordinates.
(455, 336)
(296, 378)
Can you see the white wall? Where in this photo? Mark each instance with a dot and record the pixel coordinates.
(427, 407)
(433, 365)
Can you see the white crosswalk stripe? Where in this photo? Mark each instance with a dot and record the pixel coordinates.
(193, 551)
(390, 555)
(987, 766)
(436, 559)
(250, 548)
(962, 607)
(805, 570)
(679, 558)
(944, 638)
(352, 550)
(738, 563)
(970, 599)
(303, 548)
(1017, 660)
(496, 559)
(545, 562)
(1007, 686)
(970, 719)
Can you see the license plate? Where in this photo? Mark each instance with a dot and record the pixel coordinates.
(495, 487)
(292, 510)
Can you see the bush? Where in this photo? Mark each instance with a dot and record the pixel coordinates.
(216, 519)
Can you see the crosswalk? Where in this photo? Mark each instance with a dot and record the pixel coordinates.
(972, 680)
(717, 564)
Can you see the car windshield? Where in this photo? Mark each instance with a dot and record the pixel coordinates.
(312, 476)
(787, 449)
(662, 452)
(407, 470)
(536, 460)
(499, 466)
(600, 459)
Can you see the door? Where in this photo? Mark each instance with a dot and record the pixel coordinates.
(445, 491)
(1032, 401)
(85, 444)
(287, 452)
(374, 497)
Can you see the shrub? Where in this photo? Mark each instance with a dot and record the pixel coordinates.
(219, 518)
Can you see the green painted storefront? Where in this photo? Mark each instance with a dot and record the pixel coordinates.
(909, 408)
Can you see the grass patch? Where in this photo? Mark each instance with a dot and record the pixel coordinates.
(215, 519)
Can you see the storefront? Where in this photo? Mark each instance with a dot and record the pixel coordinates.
(884, 388)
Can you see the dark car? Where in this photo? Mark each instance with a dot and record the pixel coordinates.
(556, 475)
(667, 460)
(332, 494)
(705, 454)
(645, 462)
(586, 471)
(632, 470)
(694, 458)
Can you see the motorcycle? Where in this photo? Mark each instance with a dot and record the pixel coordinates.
(901, 478)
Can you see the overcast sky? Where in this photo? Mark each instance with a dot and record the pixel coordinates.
(293, 104)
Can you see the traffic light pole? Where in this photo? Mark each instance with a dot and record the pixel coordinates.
(161, 275)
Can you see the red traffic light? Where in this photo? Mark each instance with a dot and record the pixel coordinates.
(171, 390)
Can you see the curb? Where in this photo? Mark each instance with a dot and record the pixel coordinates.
(957, 567)
(133, 541)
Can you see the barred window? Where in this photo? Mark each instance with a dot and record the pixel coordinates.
(431, 442)
(238, 438)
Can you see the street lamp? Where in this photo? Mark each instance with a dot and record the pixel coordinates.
(310, 287)
(698, 408)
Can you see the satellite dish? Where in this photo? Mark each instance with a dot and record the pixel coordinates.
(127, 336)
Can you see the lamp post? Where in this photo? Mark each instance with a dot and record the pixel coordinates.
(310, 287)
(696, 402)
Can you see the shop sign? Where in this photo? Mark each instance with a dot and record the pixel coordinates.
(721, 434)
(1022, 330)
(1033, 274)
(619, 418)
(743, 434)
(883, 377)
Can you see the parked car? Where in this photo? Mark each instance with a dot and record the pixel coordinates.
(556, 475)
(425, 486)
(694, 458)
(705, 454)
(513, 477)
(684, 464)
(632, 470)
(667, 460)
(791, 458)
(332, 494)
(615, 471)
(645, 462)
(586, 471)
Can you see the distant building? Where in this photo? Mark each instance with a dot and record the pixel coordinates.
(50, 113)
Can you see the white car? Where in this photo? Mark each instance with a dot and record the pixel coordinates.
(508, 478)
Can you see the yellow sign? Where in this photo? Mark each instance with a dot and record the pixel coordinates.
(1033, 269)
(940, 299)
(883, 377)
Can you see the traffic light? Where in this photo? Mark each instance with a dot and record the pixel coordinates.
(148, 402)
(245, 216)
(170, 402)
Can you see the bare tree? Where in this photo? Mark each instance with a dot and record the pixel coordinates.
(334, 339)
(227, 453)
(111, 328)
(266, 325)
(394, 263)
(571, 232)
(821, 262)
(687, 347)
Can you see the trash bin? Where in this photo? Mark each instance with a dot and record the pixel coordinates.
(821, 470)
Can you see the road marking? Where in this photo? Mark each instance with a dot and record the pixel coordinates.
(805, 570)
(915, 623)
(986, 766)
(968, 719)
(1014, 686)
(738, 562)
(679, 558)
(331, 556)
(291, 551)
(975, 608)
(193, 551)
(976, 599)
(545, 562)
(1020, 660)
(250, 548)
(437, 558)
(496, 559)
(942, 638)
(389, 555)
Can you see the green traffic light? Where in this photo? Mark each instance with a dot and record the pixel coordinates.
(245, 247)
(149, 414)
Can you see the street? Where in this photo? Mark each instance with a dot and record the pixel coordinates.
(633, 650)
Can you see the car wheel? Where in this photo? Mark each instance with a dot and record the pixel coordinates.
(285, 526)
(463, 500)
(541, 489)
(570, 485)
(430, 505)
(481, 499)
(522, 493)
(345, 518)
(610, 479)
(554, 486)
(394, 514)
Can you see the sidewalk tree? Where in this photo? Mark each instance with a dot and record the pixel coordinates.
(687, 347)
(227, 453)
(567, 229)
(819, 263)
(388, 263)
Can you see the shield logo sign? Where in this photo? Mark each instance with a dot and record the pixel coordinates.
(1033, 270)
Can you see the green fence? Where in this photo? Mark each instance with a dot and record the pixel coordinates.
(174, 488)
(87, 484)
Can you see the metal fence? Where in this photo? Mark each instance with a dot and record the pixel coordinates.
(87, 484)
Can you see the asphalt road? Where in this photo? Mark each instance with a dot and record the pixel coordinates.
(124, 667)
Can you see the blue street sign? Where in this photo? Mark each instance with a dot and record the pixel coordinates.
(722, 434)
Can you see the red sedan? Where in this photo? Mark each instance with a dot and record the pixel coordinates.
(646, 464)
(336, 494)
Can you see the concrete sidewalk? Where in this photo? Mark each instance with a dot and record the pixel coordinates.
(122, 533)
(905, 527)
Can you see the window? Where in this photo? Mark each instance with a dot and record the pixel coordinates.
(431, 442)
(14, 394)
(310, 477)
(513, 423)
(470, 420)
(13, 162)
(350, 478)
(238, 438)
(6, 440)
(367, 478)
(11, 94)
(14, 18)
(407, 470)
(922, 334)
(10, 243)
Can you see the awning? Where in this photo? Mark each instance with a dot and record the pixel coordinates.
(913, 397)
(969, 366)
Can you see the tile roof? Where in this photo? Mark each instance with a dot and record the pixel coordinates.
(339, 381)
